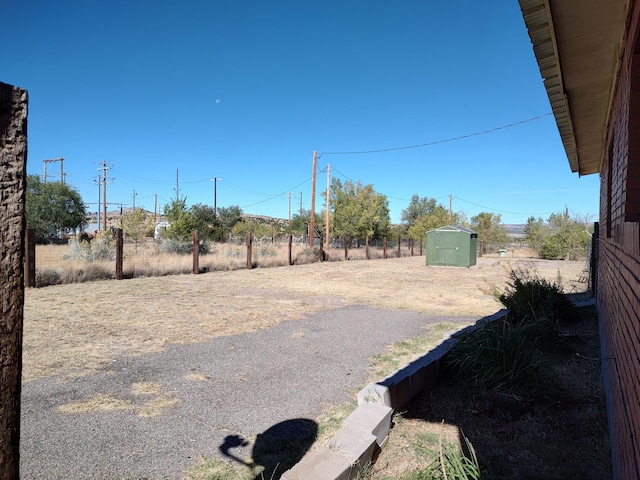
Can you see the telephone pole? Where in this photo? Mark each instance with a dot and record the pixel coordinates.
(61, 169)
(450, 208)
(328, 205)
(177, 187)
(104, 169)
(312, 226)
(215, 195)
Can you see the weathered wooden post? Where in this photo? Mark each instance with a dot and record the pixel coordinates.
(195, 269)
(290, 248)
(30, 258)
(322, 248)
(119, 253)
(399, 243)
(248, 242)
(384, 247)
(346, 247)
(13, 161)
(366, 247)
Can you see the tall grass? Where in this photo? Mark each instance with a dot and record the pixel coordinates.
(58, 264)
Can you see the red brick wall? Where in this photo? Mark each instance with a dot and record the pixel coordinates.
(619, 262)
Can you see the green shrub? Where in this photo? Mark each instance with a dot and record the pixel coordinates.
(181, 247)
(529, 296)
(554, 247)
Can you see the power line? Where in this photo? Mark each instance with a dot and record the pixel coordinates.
(438, 141)
(276, 196)
(502, 211)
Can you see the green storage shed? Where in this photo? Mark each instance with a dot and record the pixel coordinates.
(454, 246)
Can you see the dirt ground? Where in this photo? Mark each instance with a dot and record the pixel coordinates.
(74, 329)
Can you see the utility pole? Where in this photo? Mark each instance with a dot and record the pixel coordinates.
(155, 208)
(450, 208)
(177, 187)
(313, 201)
(104, 169)
(215, 195)
(134, 201)
(300, 203)
(61, 169)
(326, 242)
(98, 181)
(289, 196)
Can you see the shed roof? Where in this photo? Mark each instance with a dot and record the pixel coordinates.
(579, 47)
(451, 228)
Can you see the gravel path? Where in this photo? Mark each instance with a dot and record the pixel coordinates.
(154, 415)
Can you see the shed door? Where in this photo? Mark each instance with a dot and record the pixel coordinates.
(447, 249)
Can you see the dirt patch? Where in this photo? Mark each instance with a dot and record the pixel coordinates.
(75, 329)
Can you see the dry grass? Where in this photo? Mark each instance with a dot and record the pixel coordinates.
(74, 329)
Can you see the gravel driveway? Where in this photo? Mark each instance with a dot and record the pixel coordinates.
(152, 416)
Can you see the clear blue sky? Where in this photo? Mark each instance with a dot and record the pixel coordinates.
(247, 90)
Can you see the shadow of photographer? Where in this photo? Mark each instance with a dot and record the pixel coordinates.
(277, 449)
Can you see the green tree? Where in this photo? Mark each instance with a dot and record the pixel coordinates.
(424, 214)
(358, 211)
(228, 217)
(568, 237)
(53, 208)
(182, 223)
(490, 231)
(535, 232)
(208, 225)
(299, 223)
(137, 224)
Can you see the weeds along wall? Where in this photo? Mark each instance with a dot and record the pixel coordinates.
(619, 262)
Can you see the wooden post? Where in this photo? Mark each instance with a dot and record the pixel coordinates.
(420, 247)
(384, 247)
(322, 248)
(366, 247)
(480, 247)
(30, 258)
(195, 269)
(346, 247)
(248, 242)
(312, 232)
(119, 253)
(411, 245)
(13, 162)
(399, 243)
(290, 247)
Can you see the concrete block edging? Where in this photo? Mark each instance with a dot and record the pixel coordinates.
(364, 433)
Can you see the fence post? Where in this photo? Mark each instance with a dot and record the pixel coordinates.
(322, 248)
(30, 258)
(480, 247)
(384, 247)
(399, 243)
(346, 247)
(366, 247)
(248, 242)
(411, 245)
(13, 161)
(290, 247)
(196, 253)
(119, 253)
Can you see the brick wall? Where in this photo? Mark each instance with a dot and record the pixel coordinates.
(619, 262)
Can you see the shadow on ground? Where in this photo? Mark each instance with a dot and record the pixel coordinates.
(275, 450)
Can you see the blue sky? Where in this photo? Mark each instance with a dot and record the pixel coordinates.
(247, 90)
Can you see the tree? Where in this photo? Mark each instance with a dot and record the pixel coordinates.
(137, 224)
(229, 216)
(53, 208)
(424, 214)
(299, 223)
(535, 232)
(182, 223)
(208, 225)
(567, 238)
(490, 231)
(358, 211)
